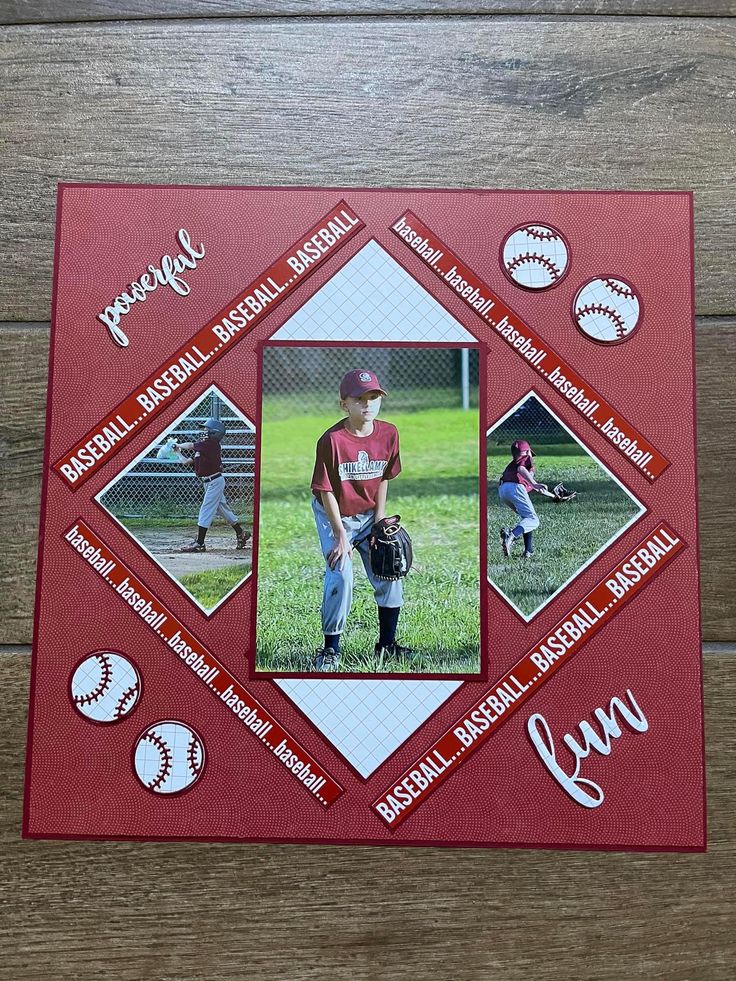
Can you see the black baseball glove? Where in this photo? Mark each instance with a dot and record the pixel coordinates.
(390, 549)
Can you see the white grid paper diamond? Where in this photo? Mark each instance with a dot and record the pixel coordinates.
(367, 721)
(372, 299)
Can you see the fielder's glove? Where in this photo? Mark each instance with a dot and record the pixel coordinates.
(562, 494)
(390, 549)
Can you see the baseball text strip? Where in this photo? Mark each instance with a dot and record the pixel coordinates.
(549, 365)
(510, 691)
(229, 326)
(205, 665)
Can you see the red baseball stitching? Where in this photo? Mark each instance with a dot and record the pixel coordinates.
(194, 765)
(105, 681)
(166, 760)
(542, 236)
(120, 708)
(618, 322)
(622, 290)
(533, 257)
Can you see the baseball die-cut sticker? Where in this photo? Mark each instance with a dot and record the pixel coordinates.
(607, 309)
(344, 498)
(169, 757)
(105, 686)
(535, 257)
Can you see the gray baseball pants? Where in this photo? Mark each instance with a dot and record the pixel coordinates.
(517, 498)
(214, 502)
(338, 592)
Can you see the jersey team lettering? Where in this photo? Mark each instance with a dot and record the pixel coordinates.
(363, 469)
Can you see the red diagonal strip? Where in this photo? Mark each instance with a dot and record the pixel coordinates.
(187, 364)
(509, 692)
(530, 346)
(233, 697)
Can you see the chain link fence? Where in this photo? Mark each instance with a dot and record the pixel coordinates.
(305, 380)
(533, 422)
(168, 490)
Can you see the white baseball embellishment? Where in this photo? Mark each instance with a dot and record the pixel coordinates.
(535, 257)
(105, 687)
(169, 757)
(607, 310)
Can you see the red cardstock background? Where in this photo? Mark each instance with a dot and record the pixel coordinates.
(80, 782)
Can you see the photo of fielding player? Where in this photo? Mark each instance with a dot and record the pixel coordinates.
(517, 480)
(354, 461)
(558, 528)
(368, 478)
(207, 465)
(514, 487)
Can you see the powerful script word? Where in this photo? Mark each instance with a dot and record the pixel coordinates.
(572, 783)
(167, 274)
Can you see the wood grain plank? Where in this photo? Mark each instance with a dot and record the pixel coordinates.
(24, 352)
(135, 911)
(72, 11)
(440, 101)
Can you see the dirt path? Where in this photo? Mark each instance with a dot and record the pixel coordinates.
(165, 545)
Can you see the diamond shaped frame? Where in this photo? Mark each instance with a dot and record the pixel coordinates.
(642, 509)
(159, 438)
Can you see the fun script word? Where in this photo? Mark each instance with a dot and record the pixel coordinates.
(167, 274)
(572, 783)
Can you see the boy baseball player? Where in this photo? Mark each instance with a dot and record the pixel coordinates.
(355, 459)
(516, 482)
(207, 463)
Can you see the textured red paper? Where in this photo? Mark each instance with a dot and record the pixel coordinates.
(80, 781)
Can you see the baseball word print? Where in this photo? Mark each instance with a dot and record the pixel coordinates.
(535, 257)
(607, 310)
(360, 528)
(105, 686)
(169, 757)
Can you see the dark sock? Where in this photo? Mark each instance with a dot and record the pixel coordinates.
(528, 547)
(388, 617)
(201, 532)
(238, 529)
(333, 641)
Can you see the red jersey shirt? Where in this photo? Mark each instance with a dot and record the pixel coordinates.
(207, 457)
(511, 474)
(352, 467)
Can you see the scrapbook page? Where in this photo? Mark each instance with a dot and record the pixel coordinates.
(369, 516)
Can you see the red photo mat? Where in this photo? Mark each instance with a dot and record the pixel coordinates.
(553, 695)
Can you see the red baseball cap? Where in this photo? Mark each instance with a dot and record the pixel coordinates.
(521, 448)
(357, 383)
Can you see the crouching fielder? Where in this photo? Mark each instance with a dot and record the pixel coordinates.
(516, 482)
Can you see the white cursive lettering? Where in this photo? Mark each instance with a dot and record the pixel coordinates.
(167, 274)
(573, 783)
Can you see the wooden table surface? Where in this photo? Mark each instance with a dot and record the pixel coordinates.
(472, 93)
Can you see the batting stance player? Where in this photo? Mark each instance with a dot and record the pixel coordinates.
(355, 459)
(207, 463)
(513, 490)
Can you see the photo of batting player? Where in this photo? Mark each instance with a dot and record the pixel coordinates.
(207, 464)
(355, 460)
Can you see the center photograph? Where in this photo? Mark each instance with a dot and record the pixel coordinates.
(369, 514)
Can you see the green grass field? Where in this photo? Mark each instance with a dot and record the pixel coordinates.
(437, 497)
(568, 534)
